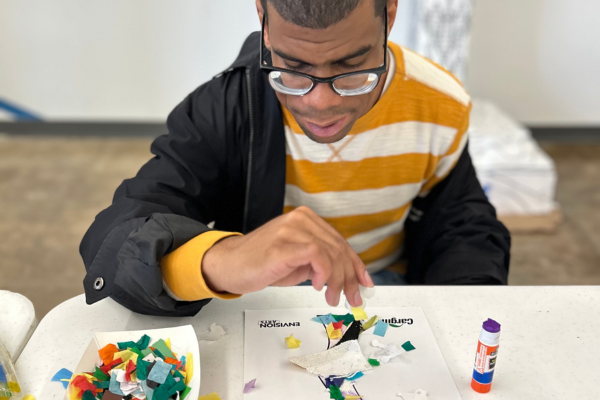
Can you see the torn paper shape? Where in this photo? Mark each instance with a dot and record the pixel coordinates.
(390, 350)
(292, 342)
(216, 331)
(159, 372)
(324, 319)
(334, 333)
(63, 376)
(340, 361)
(211, 396)
(28, 397)
(369, 323)
(380, 328)
(335, 393)
(355, 376)
(249, 386)
(359, 314)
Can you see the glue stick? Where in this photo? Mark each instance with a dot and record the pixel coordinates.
(485, 359)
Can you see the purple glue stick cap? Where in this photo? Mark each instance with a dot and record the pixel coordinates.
(491, 326)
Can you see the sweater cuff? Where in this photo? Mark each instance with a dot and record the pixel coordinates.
(181, 269)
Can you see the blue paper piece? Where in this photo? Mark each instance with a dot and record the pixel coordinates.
(62, 374)
(148, 390)
(355, 376)
(380, 328)
(331, 380)
(324, 319)
(159, 372)
(115, 386)
(183, 360)
(2, 375)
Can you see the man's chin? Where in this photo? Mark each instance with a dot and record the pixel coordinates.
(329, 139)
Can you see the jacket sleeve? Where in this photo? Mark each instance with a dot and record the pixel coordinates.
(453, 235)
(168, 203)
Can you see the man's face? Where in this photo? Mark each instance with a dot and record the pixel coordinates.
(355, 43)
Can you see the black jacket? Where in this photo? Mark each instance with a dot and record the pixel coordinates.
(223, 160)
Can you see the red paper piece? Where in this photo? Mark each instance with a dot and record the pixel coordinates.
(173, 361)
(129, 370)
(107, 353)
(80, 382)
(106, 368)
(338, 325)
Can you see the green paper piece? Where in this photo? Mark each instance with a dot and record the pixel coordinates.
(161, 346)
(102, 385)
(125, 345)
(101, 376)
(137, 351)
(146, 351)
(348, 318)
(185, 392)
(335, 392)
(143, 342)
(170, 381)
(142, 369)
(157, 353)
(178, 387)
(177, 374)
(373, 362)
(408, 346)
(88, 395)
(100, 395)
(369, 323)
(394, 326)
(161, 393)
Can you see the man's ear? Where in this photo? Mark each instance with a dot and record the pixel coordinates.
(392, 9)
(259, 10)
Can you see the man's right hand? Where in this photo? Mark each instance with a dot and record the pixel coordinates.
(286, 251)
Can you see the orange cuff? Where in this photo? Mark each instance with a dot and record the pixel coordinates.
(181, 269)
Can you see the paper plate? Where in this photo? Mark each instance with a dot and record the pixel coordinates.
(183, 341)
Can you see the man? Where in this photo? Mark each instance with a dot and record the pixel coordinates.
(322, 153)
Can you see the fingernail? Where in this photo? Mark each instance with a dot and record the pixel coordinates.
(357, 299)
(368, 279)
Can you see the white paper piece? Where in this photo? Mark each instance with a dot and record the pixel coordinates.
(266, 356)
(388, 352)
(344, 360)
(216, 331)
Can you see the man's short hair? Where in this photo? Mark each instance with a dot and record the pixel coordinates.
(318, 14)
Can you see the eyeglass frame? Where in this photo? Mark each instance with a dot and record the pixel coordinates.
(315, 79)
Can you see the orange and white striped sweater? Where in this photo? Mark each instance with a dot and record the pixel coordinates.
(364, 184)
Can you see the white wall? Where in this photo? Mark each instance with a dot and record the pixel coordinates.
(115, 59)
(538, 59)
(134, 60)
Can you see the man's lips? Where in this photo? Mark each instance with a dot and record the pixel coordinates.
(326, 130)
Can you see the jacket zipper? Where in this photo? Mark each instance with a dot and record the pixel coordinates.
(251, 140)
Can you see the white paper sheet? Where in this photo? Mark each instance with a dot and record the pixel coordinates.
(266, 356)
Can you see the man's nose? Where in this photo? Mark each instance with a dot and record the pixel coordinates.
(322, 97)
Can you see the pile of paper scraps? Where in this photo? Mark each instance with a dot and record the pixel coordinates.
(135, 370)
(343, 362)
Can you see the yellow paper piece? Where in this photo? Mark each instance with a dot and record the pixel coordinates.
(168, 343)
(126, 355)
(211, 396)
(189, 369)
(359, 314)
(292, 342)
(14, 387)
(350, 397)
(333, 333)
(29, 397)
(370, 322)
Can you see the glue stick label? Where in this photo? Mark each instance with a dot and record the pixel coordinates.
(485, 362)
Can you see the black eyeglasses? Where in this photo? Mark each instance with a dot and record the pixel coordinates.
(350, 84)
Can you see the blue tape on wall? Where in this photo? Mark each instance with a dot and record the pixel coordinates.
(19, 113)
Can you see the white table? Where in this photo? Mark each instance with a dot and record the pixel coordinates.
(17, 322)
(549, 344)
